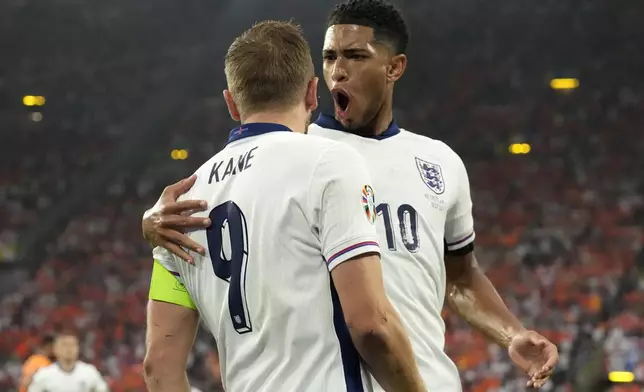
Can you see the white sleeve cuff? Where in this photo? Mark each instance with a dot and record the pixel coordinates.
(460, 243)
(350, 249)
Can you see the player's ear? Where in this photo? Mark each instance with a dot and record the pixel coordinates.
(311, 97)
(396, 68)
(232, 106)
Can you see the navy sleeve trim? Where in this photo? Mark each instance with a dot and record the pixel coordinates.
(469, 248)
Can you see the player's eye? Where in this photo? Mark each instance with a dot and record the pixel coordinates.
(357, 57)
(328, 57)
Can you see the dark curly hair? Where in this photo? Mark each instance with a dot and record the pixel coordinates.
(384, 18)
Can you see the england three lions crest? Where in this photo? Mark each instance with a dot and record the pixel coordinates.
(432, 175)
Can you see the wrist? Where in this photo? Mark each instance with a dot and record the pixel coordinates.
(512, 332)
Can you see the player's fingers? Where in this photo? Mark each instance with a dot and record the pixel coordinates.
(179, 207)
(543, 373)
(541, 379)
(190, 212)
(553, 358)
(183, 240)
(540, 383)
(180, 222)
(178, 252)
(178, 188)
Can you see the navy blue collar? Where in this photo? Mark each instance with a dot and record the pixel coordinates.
(327, 121)
(254, 129)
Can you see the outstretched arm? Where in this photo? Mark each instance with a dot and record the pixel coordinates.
(471, 294)
(473, 297)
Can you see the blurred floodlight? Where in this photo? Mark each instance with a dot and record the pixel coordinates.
(564, 83)
(29, 100)
(33, 100)
(179, 155)
(519, 148)
(621, 376)
(36, 116)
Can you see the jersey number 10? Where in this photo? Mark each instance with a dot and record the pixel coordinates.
(408, 223)
(230, 264)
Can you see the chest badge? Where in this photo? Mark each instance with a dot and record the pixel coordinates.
(432, 175)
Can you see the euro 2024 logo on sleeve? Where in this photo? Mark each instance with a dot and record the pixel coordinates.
(432, 175)
(369, 203)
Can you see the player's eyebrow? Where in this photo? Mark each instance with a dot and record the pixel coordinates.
(345, 52)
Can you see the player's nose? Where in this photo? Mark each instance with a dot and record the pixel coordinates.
(339, 74)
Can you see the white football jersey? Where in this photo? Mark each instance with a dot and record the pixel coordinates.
(286, 208)
(84, 377)
(424, 209)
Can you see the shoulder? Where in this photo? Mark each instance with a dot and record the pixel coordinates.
(45, 372)
(37, 360)
(312, 149)
(437, 149)
(314, 139)
(426, 142)
(85, 365)
(336, 156)
(87, 369)
(315, 129)
(336, 135)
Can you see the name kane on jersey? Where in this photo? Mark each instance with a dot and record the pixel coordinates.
(233, 166)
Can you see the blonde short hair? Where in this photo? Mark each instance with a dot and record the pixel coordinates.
(269, 66)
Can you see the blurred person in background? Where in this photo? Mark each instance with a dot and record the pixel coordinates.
(432, 259)
(43, 357)
(68, 373)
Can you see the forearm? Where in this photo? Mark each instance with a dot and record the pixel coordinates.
(164, 381)
(171, 331)
(389, 357)
(474, 298)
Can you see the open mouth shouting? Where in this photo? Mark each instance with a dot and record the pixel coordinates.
(342, 103)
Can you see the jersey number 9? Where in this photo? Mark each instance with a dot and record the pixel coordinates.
(229, 262)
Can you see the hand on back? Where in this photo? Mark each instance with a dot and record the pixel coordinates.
(166, 222)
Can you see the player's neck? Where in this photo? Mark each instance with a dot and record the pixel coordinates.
(292, 119)
(381, 121)
(67, 366)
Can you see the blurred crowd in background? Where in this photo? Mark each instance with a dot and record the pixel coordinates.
(559, 229)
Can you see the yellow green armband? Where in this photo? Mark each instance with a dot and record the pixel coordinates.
(165, 287)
